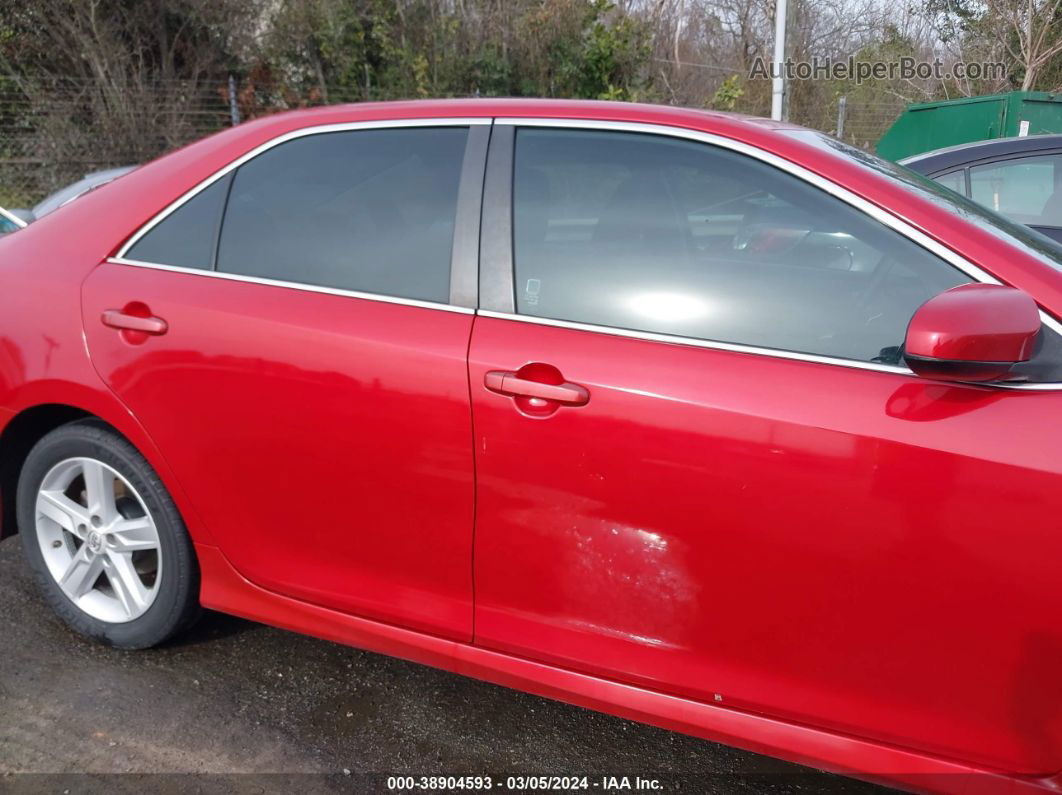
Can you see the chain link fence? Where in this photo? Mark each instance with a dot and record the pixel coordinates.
(862, 122)
(52, 134)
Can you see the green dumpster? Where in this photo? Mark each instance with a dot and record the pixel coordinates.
(926, 126)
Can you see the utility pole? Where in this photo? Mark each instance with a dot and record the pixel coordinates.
(234, 108)
(778, 78)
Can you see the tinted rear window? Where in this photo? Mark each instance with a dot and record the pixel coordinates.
(187, 236)
(365, 210)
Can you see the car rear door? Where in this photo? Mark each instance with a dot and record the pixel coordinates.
(294, 339)
(701, 468)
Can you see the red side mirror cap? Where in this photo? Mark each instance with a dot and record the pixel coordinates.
(973, 332)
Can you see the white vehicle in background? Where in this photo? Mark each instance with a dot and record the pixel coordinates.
(10, 222)
(13, 220)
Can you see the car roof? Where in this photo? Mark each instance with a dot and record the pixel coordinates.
(956, 156)
(474, 107)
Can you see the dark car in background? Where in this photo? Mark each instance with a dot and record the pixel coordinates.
(1018, 177)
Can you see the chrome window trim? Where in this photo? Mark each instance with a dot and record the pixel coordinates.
(121, 257)
(774, 353)
(696, 342)
(307, 288)
(894, 222)
(879, 214)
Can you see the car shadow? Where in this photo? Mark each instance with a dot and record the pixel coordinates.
(211, 626)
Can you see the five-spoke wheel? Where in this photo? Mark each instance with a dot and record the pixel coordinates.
(105, 539)
(98, 540)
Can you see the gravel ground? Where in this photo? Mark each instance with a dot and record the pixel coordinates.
(239, 707)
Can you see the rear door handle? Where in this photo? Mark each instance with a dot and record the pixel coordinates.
(508, 383)
(116, 318)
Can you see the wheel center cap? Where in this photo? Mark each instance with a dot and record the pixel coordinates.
(95, 542)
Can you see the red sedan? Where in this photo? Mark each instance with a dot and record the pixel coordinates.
(706, 421)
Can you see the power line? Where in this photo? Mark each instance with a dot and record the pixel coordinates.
(699, 65)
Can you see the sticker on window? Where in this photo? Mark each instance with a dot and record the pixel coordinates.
(531, 291)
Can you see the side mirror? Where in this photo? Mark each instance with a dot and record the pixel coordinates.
(973, 332)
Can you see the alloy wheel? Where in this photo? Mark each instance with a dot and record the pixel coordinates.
(98, 540)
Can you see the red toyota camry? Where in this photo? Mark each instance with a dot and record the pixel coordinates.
(707, 421)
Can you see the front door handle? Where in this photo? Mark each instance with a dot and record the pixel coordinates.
(116, 318)
(508, 383)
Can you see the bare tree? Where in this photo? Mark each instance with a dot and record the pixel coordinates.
(1028, 31)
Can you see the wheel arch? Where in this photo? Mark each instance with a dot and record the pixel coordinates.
(33, 419)
(23, 431)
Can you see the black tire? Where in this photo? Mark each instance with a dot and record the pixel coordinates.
(176, 604)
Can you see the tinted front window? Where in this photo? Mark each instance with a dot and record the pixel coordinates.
(8, 226)
(656, 234)
(1024, 189)
(368, 210)
(187, 236)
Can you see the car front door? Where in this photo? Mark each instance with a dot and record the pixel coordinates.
(701, 468)
(302, 364)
